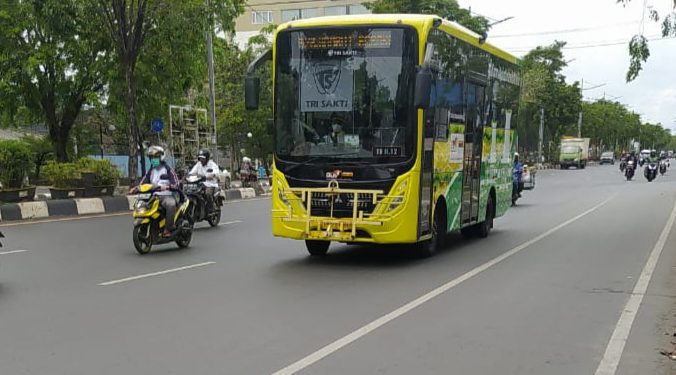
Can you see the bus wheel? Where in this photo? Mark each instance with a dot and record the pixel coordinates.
(317, 248)
(428, 248)
(484, 228)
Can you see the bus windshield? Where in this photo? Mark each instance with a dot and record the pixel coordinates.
(345, 93)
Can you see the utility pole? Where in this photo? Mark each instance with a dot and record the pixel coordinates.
(579, 118)
(542, 127)
(212, 83)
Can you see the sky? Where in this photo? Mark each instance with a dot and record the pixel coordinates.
(584, 23)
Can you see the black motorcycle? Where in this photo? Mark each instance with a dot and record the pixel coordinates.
(623, 165)
(196, 192)
(663, 167)
(629, 170)
(650, 171)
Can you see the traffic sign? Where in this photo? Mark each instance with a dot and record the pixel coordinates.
(157, 125)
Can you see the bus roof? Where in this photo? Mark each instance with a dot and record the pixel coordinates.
(418, 20)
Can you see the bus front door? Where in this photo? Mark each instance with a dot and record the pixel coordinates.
(471, 179)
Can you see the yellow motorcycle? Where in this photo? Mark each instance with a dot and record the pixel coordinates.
(149, 221)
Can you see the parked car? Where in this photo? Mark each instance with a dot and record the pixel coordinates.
(607, 157)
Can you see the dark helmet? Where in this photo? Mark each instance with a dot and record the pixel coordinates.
(204, 154)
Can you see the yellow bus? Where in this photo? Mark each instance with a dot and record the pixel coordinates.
(388, 129)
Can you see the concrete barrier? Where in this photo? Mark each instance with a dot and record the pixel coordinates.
(89, 206)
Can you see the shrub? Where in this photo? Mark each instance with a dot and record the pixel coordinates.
(105, 173)
(60, 175)
(15, 162)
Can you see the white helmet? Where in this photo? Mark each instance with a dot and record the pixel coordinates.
(246, 160)
(155, 151)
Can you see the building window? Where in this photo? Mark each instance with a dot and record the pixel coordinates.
(290, 15)
(335, 11)
(309, 12)
(358, 9)
(260, 17)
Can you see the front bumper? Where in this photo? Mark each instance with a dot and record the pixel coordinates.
(291, 219)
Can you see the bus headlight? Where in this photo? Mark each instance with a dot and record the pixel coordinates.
(281, 195)
(400, 192)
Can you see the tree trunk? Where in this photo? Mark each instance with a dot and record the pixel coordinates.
(132, 131)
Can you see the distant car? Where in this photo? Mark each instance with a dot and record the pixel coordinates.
(607, 157)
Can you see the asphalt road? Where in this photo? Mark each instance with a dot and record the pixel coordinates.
(542, 295)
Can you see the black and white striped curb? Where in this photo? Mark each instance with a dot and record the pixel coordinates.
(88, 206)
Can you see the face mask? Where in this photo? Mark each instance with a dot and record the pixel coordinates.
(155, 162)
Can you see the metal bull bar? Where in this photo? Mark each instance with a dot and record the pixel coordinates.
(331, 227)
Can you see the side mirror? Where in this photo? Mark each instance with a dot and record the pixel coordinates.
(252, 92)
(423, 88)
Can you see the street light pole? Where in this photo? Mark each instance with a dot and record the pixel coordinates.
(101, 139)
(212, 84)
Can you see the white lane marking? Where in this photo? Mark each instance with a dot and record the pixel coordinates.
(615, 348)
(368, 328)
(113, 282)
(230, 222)
(13, 252)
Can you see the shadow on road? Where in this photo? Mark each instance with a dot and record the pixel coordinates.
(375, 256)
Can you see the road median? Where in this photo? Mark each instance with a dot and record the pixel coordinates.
(89, 206)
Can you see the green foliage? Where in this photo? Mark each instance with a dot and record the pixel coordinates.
(15, 162)
(52, 57)
(449, 9)
(234, 120)
(545, 87)
(638, 46)
(42, 150)
(61, 175)
(105, 173)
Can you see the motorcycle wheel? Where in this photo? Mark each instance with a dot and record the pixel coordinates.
(214, 220)
(142, 243)
(186, 235)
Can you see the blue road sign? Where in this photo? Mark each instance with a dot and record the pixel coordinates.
(157, 125)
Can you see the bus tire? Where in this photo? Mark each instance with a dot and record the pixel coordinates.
(426, 249)
(317, 248)
(484, 228)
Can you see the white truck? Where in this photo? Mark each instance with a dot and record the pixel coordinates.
(574, 153)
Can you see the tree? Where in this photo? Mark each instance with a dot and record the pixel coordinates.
(449, 9)
(544, 87)
(638, 46)
(53, 60)
(159, 43)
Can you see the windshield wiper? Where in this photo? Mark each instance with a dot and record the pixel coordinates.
(319, 157)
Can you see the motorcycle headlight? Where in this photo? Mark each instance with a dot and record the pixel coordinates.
(140, 207)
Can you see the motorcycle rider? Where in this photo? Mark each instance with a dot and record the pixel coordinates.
(204, 163)
(154, 176)
(517, 174)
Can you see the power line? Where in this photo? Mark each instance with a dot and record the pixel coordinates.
(563, 31)
(594, 45)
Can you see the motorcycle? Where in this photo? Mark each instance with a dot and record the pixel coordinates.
(650, 171)
(623, 165)
(1, 236)
(663, 167)
(150, 222)
(196, 191)
(629, 170)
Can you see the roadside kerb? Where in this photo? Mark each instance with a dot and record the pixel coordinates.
(89, 206)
